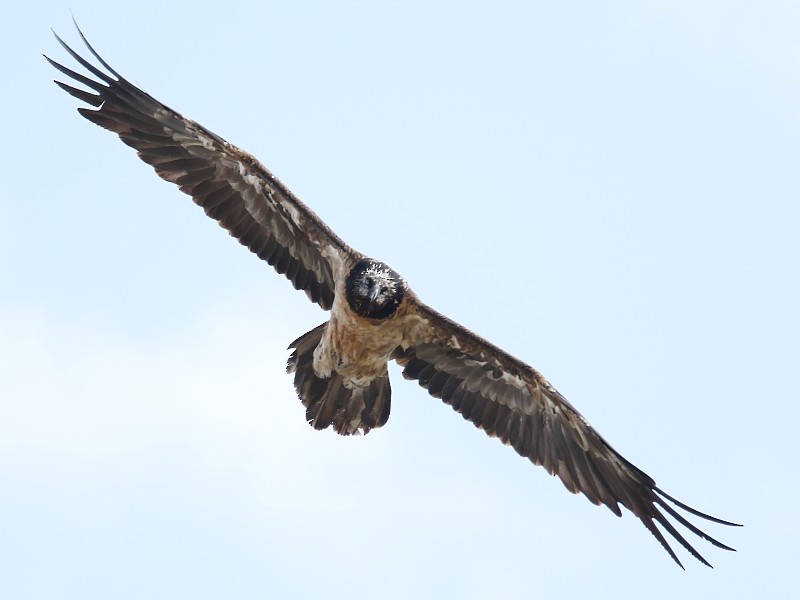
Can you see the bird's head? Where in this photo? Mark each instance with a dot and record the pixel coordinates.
(374, 290)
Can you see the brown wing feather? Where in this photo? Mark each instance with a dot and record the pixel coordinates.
(232, 187)
(512, 401)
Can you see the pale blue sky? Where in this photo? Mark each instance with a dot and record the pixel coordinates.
(608, 190)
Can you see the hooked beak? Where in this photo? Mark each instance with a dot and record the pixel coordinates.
(372, 298)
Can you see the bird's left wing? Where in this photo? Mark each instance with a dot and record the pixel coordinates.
(232, 187)
(510, 400)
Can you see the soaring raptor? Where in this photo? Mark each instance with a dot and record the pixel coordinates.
(340, 367)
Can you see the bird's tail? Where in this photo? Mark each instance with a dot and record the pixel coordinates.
(328, 402)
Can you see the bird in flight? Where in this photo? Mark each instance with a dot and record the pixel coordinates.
(340, 367)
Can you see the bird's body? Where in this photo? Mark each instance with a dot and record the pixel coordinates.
(358, 343)
(340, 367)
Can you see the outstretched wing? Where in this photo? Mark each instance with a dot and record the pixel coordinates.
(232, 186)
(515, 403)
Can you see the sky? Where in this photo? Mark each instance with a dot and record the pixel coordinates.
(609, 191)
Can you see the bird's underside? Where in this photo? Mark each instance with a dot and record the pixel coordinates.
(339, 367)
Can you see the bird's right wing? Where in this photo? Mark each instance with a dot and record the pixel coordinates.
(232, 186)
(512, 401)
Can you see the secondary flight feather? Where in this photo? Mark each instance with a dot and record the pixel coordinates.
(340, 367)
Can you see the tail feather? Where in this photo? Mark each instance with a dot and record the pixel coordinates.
(328, 401)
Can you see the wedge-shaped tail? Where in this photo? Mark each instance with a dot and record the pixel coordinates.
(328, 401)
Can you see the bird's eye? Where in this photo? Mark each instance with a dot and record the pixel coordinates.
(369, 281)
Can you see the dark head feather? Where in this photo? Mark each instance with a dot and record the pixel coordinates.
(374, 290)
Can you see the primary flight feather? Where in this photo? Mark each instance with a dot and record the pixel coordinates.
(340, 367)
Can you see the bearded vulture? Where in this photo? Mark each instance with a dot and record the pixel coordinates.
(340, 367)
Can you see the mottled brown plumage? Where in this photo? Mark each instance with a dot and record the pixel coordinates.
(340, 366)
